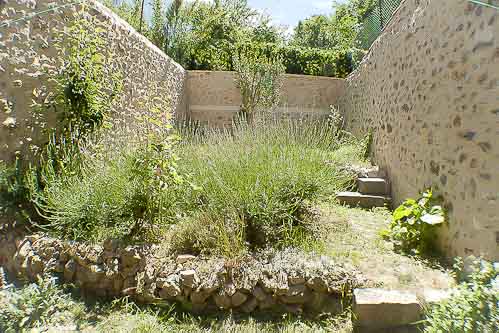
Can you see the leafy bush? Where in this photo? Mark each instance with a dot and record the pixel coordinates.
(259, 183)
(38, 306)
(415, 224)
(125, 194)
(260, 80)
(296, 60)
(472, 307)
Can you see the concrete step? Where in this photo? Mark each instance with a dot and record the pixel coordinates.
(355, 199)
(377, 186)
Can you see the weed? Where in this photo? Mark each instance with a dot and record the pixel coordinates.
(473, 305)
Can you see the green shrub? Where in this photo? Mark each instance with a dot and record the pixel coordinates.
(126, 194)
(472, 307)
(259, 80)
(415, 223)
(87, 81)
(38, 306)
(265, 179)
(296, 60)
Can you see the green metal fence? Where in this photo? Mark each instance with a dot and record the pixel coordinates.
(375, 21)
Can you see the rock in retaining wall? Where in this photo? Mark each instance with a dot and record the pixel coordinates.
(270, 281)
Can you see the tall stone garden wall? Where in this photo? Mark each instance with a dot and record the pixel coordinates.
(429, 91)
(28, 62)
(213, 97)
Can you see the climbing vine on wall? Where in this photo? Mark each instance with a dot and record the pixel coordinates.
(87, 85)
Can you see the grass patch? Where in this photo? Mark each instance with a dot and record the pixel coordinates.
(353, 236)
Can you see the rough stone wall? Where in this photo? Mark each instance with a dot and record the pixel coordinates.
(213, 97)
(429, 90)
(28, 59)
(282, 282)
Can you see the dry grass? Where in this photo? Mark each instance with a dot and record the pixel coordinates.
(352, 236)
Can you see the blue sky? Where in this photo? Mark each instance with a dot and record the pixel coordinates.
(287, 12)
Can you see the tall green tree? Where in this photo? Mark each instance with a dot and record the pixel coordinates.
(336, 31)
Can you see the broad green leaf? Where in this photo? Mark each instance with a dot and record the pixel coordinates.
(401, 212)
(432, 219)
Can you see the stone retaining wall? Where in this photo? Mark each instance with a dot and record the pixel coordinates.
(213, 98)
(29, 60)
(283, 281)
(428, 89)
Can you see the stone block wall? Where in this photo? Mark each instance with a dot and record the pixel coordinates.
(429, 91)
(213, 97)
(28, 60)
(277, 282)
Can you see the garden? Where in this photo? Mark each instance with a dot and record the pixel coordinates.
(173, 226)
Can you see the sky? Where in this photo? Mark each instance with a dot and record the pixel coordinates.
(287, 12)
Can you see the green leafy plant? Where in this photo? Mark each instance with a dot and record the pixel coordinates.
(87, 82)
(415, 224)
(257, 185)
(36, 306)
(472, 307)
(260, 81)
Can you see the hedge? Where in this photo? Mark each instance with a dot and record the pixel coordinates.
(297, 60)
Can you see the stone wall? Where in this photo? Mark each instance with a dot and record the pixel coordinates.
(213, 97)
(28, 60)
(429, 90)
(277, 282)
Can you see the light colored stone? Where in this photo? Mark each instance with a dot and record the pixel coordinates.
(355, 199)
(188, 278)
(378, 308)
(238, 299)
(69, 270)
(10, 122)
(199, 297)
(183, 258)
(250, 305)
(259, 293)
(434, 296)
(294, 280)
(36, 265)
(169, 287)
(317, 284)
(298, 294)
(374, 186)
(222, 301)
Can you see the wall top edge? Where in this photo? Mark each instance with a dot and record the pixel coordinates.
(114, 18)
(312, 77)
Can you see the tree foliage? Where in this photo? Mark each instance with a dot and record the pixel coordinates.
(202, 35)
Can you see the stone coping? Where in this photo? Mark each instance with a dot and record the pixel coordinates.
(285, 281)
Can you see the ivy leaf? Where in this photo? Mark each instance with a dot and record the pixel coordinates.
(401, 212)
(432, 219)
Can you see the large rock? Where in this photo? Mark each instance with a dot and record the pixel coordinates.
(222, 300)
(169, 287)
(183, 258)
(378, 308)
(189, 278)
(238, 299)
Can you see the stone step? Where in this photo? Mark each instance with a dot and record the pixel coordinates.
(396, 311)
(377, 186)
(355, 199)
(384, 309)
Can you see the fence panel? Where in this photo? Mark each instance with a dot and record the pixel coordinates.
(375, 21)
